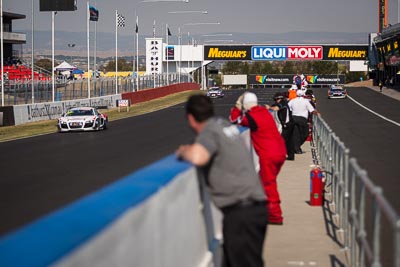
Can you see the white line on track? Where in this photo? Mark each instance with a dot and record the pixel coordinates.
(373, 112)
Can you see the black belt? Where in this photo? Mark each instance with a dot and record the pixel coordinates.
(243, 204)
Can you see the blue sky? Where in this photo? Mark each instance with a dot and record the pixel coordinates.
(252, 16)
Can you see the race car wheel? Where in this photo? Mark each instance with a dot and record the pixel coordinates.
(97, 125)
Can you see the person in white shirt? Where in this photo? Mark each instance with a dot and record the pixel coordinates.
(301, 109)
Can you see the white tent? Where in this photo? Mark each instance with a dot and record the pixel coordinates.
(64, 66)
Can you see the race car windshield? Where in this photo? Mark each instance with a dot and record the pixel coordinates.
(79, 112)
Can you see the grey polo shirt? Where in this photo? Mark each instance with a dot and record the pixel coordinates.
(230, 174)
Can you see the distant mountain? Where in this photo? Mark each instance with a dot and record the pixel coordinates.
(106, 41)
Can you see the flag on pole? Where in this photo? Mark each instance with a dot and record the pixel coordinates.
(120, 20)
(169, 32)
(137, 27)
(94, 13)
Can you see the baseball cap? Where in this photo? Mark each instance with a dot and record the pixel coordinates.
(278, 96)
(249, 100)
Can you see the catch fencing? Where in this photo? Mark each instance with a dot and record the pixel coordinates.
(23, 92)
(364, 217)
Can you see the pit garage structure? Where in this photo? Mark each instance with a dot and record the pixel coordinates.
(384, 62)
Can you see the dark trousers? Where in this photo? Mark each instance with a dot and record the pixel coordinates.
(287, 134)
(244, 230)
(300, 132)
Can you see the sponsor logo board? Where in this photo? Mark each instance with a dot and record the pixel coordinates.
(286, 52)
(285, 79)
(227, 53)
(345, 52)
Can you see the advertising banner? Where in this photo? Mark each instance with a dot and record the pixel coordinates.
(170, 52)
(345, 52)
(153, 55)
(286, 52)
(282, 79)
(389, 51)
(225, 52)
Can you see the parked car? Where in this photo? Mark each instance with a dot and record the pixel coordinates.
(82, 119)
(336, 91)
(215, 92)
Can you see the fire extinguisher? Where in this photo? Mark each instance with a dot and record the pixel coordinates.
(317, 186)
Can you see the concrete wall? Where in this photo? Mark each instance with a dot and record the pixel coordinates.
(159, 216)
(153, 217)
(20, 114)
(53, 110)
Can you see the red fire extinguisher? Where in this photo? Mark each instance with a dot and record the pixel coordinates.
(316, 187)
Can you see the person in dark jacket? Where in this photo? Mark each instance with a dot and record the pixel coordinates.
(286, 120)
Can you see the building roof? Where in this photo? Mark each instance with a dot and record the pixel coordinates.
(10, 15)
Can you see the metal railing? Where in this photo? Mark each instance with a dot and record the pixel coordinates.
(362, 213)
(20, 92)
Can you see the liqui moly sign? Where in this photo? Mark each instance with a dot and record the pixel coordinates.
(286, 52)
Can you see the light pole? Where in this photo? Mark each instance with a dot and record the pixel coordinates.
(218, 41)
(137, 30)
(32, 61)
(204, 12)
(2, 53)
(218, 34)
(71, 46)
(154, 1)
(52, 55)
(202, 63)
(188, 11)
(337, 74)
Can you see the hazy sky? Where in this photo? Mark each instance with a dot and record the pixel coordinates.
(252, 16)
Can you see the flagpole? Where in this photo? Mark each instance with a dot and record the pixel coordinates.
(133, 61)
(116, 52)
(154, 36)
(166, 52)
(180, 54)
(2, 53)
(88, 45)
(137, 52)
(52, 55)
(95, 48)
(32, 59)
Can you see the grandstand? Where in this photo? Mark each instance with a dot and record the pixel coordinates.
(14, 70)
(22, 73)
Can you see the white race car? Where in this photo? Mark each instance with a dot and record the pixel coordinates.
(82, 119)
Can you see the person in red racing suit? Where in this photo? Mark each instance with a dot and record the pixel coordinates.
(269, 145)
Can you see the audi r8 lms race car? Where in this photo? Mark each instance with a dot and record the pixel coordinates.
(336, 91)
(82, 119)
(215, 92)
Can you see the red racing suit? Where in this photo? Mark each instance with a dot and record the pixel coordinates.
(271, 150)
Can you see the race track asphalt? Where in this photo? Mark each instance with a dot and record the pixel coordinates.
(44, 173)
(373, 141)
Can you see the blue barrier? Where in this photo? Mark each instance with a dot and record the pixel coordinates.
(160, 215)
(48, 239)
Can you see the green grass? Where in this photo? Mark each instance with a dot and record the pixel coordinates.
(49, 126)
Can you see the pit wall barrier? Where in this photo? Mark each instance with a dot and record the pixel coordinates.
(149, 94)
(53, 110)
(363, 216)
(20, 114)
(159, 216)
